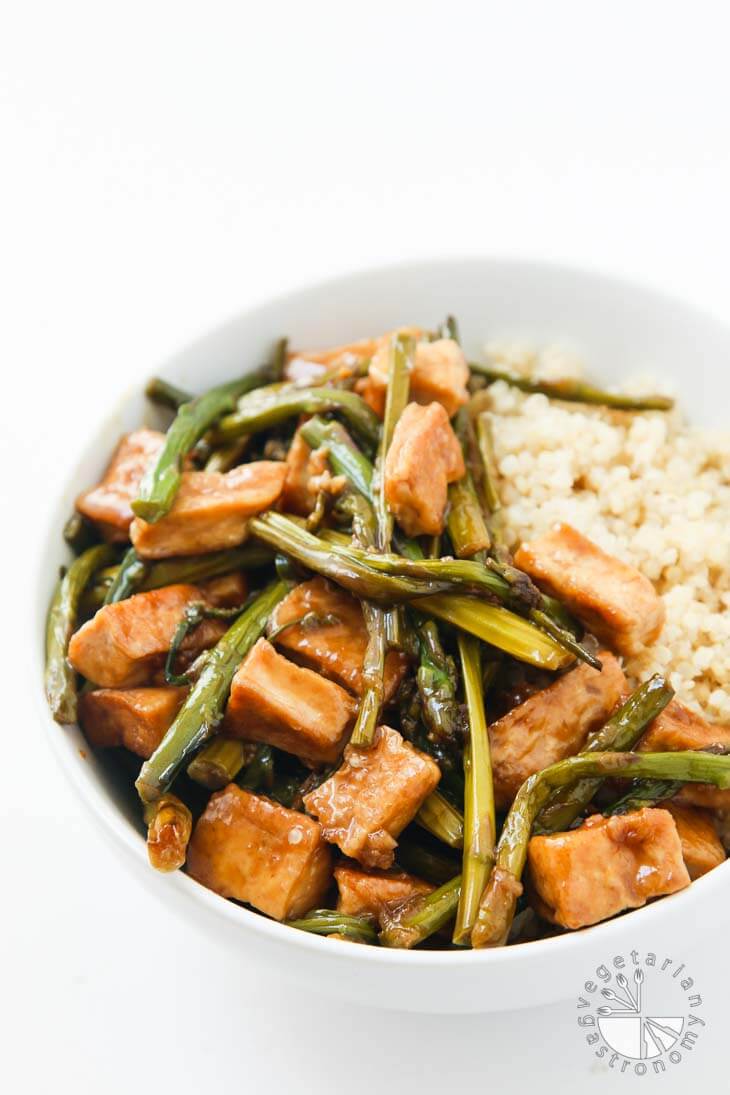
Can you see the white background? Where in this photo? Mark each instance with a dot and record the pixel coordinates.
(164, 165)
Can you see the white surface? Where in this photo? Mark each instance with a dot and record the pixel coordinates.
(165, 163)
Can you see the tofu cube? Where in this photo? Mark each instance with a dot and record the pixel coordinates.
(612, 599)
(275, 701)
(126, 643)
(607, 865)
(701, 846)
(307, 473)
(372, 796)
(337, 648)
(211, 510)
(249, 848)
(370, 893)
(423, 458)
(440, 374)
(136, 718)
(552, 724)
(109, 504)
(676, 728)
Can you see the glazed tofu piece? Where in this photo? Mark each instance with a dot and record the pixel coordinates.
(307, 473)
(607, 865)
(369, 893)
(677, 727)
(125, 643)
(423, 458)
(440, 374)
(109, 504)
(612, 599)
(306, 366)
(552, 724)
(701, 846)
(372, 796)
(227, 591)
(249, 848)
(211, 510)
(136, 718)
(275, 701)
(335, 649)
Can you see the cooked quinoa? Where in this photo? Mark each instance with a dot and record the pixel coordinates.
(648, 488)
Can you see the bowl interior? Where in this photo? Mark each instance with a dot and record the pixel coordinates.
(618, 328)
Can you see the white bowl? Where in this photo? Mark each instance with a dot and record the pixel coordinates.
(620, 329)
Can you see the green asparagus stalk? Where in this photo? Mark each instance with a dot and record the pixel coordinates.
(266, 407)
(436, 682)
(279, 359)
(219, 762)
(227, 456)
(465, 521)
(400, 363)
(416, 921)
(169, 827)
(356, 929)
(424, 863)
(131, 573)
(203, 709)
(373, 690)
(504, 887)
(193, 615)
(621, 732)
(166, 394)
(161, 482)
(480, 831)
(60, 677)
(574, 391)
(498, 627)
(259, 772)
(644, 792)
(79, 533)
(442, 820)
(489, 476)
(343, 454)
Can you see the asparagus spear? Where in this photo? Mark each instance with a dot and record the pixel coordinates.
(161, 482)
(357, 929)
(259, 772)
(259, 410)
(167, 394)
(436, 683)
(219, 762)
(131, 573)
(621, 732)
(79, 533)
(574, 391)
(169, 826)
(504, 887)
(644, 792)
(227, 456)
(480, 830)
(498, 627)
(412, 923)
(343, 454)
(424, 863)
(60, 677)
(203, 709)
(442, 820)
(467, 529)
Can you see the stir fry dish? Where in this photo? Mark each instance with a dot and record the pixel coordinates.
(358, 706)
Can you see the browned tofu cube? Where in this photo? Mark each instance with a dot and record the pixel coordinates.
(372, 796)
(304, 366)
(109, 504)
(211, 510)
(423, 458)
(337, 647)
(136, 718)
(277, 702)
(125, 643)
(249, 848)
(370, 893)
(701, 846)
(613, 600)
(552, 724)
(607, 865)
(679, 728)
(440, 374)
